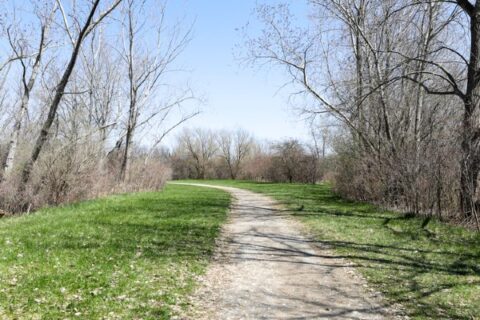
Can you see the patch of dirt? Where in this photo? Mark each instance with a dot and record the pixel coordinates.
(266, 268)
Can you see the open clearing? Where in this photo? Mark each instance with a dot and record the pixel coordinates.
(266, 269)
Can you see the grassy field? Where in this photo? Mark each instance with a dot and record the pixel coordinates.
(123, 257)
(434, 272)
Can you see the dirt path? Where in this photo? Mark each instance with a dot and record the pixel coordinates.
(264, 268)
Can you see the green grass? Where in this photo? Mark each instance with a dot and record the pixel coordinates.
(434, 272)
(123, 257)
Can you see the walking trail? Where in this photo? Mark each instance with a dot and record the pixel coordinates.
(266, 268)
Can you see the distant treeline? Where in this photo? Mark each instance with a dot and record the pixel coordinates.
(206, 154)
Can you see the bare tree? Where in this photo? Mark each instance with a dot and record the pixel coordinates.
(83, 31)
(290, 154)
(470, 163)
(445, 69)
(200, 148)
(19, 45)
(399, 51)
(63, 86)
(147, 65)
(234, 149)
(317, 149)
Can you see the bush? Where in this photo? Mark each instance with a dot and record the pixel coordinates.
(70, 173)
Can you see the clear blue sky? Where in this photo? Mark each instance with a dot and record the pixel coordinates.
(236, 96)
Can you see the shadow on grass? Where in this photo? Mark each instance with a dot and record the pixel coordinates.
(433, 269)
(283, 250)
(405, 264)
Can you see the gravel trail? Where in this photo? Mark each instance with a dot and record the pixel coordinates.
(266, 268)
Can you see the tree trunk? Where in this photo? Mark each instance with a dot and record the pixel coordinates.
(359, 59)
(126, 155)
(232, 170)
(470, 165)
(9, 159)
(132, 123)
(12, 144)
(132, 110)
(470, 162)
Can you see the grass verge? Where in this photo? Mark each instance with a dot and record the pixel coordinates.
(123, 257)
(433, 271)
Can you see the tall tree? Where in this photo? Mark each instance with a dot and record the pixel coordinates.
(147, 64)
(200, 148)
(18, 46)
(234, 149)
(84, 30)
(470, 163)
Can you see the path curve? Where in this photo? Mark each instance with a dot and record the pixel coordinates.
(266, 268)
